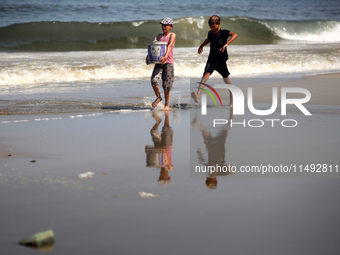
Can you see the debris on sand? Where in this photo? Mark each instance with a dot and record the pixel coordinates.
(40, 240)
(86, 175)
(144, 194)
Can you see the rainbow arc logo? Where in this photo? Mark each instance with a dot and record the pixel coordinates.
(210, 94)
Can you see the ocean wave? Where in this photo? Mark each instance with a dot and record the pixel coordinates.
(191, 31)
(308, 31)
(32, 68)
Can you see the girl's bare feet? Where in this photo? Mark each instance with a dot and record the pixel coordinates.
(156, 102)
(167, 107)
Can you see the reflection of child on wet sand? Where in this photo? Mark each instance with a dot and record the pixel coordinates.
(165, 70)
(215, 146)
(211, 182)
(159, 155)
(218, 56)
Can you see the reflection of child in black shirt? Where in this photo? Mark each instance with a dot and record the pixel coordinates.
(218, 39)
(216, 151)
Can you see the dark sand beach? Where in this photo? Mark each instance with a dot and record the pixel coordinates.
(42, 154)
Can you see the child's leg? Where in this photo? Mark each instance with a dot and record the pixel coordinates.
(158, 95)
(168, 80)
(208, 70)
(156, 90)
(203, 80)
(227, 81)
(196, 96)
(167, 100)
(156, 75)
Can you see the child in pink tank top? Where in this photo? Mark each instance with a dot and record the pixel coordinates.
(161, 38)
(165, 70)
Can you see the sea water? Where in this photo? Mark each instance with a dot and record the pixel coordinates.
(66, 49)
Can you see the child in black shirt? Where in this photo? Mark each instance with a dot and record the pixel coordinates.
(218, 39)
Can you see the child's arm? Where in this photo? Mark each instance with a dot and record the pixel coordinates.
(168, 48)
(200, 49)
(159, 37)
(232, 38)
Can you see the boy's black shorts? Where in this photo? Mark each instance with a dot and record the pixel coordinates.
(222, 69)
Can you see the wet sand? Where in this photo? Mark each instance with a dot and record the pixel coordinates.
(40, 188)
(324, 89)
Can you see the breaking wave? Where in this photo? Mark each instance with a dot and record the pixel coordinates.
(191, 31)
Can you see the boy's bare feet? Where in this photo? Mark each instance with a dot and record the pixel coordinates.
(194, 96)
(156, 102)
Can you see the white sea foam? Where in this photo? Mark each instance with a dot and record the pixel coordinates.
(79, 116)
(198, 21)
(331, 35)
(137, 23)
(326, 31)
(46, 68)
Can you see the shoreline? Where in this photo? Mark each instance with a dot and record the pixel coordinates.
(323, 87)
